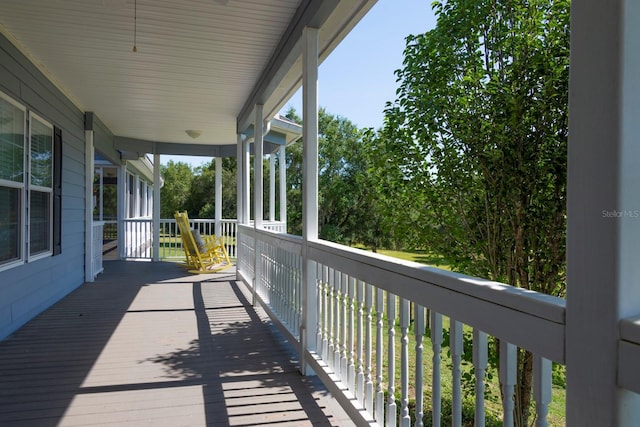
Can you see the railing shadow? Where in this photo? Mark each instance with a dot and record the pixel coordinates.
(249, 374)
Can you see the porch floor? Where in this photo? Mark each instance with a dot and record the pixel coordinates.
(148, 344)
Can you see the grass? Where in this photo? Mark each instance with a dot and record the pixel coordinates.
(171, 246)
(415, 255)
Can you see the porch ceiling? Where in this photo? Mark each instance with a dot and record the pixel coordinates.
(200, 64)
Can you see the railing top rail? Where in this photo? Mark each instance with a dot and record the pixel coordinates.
(287, 242)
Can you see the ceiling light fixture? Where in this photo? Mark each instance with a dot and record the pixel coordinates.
(135, 24)
(193, 133)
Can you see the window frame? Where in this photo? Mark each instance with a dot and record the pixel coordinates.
(32, 187)
(21, 259)
(26, 189)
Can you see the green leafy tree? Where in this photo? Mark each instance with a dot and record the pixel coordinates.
(338, 164)
(479, 131)
(350, 209)
(176, 189)
(201, 200)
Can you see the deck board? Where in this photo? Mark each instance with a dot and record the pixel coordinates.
(150, 345)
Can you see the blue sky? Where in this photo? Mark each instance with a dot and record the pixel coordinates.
(357, 79)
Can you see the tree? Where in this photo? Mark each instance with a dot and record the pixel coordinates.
(201, 200)
(176, 189)
(479, 130)
(349, 200)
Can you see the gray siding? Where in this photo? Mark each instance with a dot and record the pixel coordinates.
(29, 289)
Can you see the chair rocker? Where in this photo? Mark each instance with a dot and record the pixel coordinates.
(204, 254)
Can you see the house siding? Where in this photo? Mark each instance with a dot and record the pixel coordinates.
(29, 289)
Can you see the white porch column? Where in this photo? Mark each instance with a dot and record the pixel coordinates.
(218, 207)
(247, 182)
(239, 178)
(282, 164)
(156, 207)
(122, 207)
(603, 230)
(240, 156)
(258, 156)
(272, 186)
(88, 209)
(258, 196)
(309, 191)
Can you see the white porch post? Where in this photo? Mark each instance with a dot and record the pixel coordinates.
(156, 207)
(122, 207)
(240, 156)
(258, 156)
(247, 182)
(272, 186)
(603, 230)
(258, 196)
(88, 210)
(282, 164)
(218, 207)
(309, 191)
(239, 178)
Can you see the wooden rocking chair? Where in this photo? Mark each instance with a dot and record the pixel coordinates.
(204, 254)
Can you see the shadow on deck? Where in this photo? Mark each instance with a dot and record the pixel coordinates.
(148, 344)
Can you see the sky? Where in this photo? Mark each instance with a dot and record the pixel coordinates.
(357, 79)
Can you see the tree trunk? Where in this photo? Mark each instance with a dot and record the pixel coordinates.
(523, 388)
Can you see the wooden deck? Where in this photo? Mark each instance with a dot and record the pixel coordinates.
(148, 345)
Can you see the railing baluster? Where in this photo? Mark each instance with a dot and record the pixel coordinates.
(360, 395)
(331, 313)
(379, 337)
(298, 286)
(344, 302)
(508, 362)
(326, 309)
(436, 342)
(287, 272)
(541, 388)
(391, 360)
(418, 327)
(320, 309)
(480, 359)
(351, 368)
(336, 322)
(456, 345)
(368, 391)
(405, 420)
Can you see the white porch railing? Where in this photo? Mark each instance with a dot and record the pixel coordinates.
(365, 305)
(137, 239)
(138, 236)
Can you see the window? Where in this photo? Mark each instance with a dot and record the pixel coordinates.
(30, 195)
(12, 140)
(41, 187)
(143, 198)
(131, 195)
